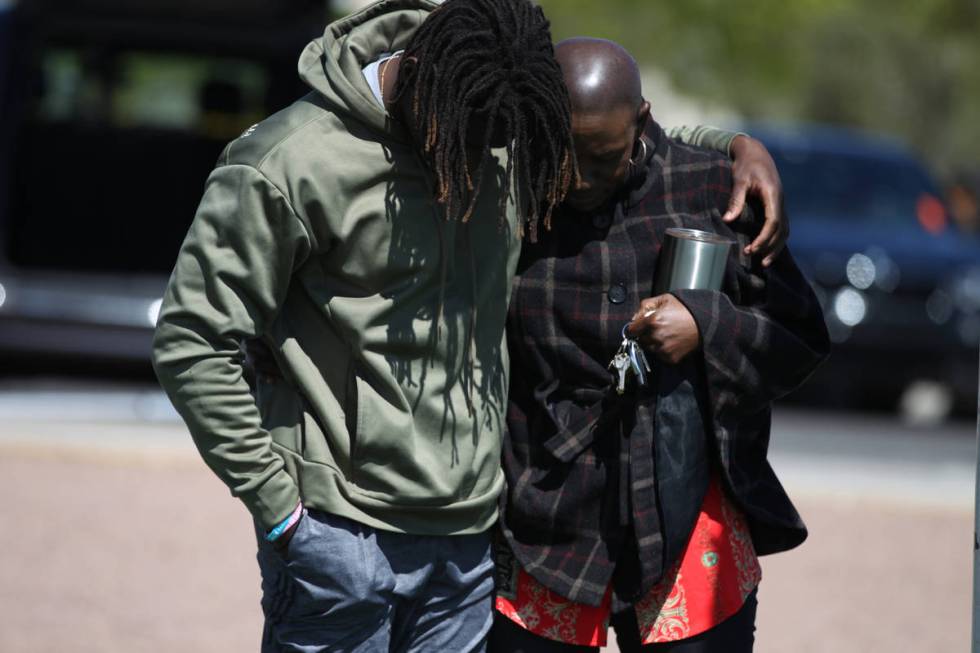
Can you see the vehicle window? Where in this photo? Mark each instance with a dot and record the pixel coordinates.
(113, 152)
(848, 187)
(214, 97)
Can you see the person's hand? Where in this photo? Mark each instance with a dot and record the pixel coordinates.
(664, 326)
(754, 173)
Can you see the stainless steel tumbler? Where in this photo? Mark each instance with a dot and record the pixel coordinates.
(691, 259)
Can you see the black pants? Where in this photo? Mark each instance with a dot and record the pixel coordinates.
(734, 635)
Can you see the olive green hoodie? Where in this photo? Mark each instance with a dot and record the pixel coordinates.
(318, 233)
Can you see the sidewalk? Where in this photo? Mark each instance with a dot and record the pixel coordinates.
(117, 538)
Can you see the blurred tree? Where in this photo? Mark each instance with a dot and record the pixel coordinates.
(908, 67)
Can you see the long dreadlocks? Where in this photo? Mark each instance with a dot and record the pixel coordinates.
(491, 62)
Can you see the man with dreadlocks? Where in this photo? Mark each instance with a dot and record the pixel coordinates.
(371, 246)
(368, 235)
(483, 93)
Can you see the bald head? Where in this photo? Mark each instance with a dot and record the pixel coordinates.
(609, 115)
(600, 75)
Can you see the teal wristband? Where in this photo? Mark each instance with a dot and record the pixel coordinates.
(284, 525)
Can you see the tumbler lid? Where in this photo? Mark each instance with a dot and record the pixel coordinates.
(698, 235)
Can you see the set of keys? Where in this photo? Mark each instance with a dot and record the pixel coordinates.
(629, 359)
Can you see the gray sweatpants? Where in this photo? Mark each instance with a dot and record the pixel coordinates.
(344, 586)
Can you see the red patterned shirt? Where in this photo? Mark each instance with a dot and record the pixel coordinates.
(710, 583)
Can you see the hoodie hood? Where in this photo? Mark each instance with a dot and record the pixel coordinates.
(332, 65)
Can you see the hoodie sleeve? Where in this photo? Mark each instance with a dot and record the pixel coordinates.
(231, 277)
(710, 138)
(764, 335)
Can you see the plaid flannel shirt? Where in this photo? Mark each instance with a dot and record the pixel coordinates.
(598, 483)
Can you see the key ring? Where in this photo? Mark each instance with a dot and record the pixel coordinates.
(634, 354)
(627, 325)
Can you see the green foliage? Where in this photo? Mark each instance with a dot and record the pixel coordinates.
(907, 67)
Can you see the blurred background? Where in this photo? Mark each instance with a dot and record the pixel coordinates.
(112, 113)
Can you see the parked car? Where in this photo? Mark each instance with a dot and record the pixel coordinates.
(900, 286)
(112, 114)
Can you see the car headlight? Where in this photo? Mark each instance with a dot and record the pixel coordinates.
(939, 306)
(850, 307)
(966, 291)
(969, 330)
(886, 275)
(860, 271)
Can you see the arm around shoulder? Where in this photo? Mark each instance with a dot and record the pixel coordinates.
(711, 138)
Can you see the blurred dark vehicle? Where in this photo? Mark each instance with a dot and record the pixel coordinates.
(899, 284)
(963, 198)
(113, 112)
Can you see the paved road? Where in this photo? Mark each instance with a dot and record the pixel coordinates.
(117, 538)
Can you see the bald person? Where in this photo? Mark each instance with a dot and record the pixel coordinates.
(645, 510)
(609, 106)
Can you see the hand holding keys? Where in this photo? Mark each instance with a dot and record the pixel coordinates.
(630, 358)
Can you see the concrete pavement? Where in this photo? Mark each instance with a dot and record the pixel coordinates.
(117, 538)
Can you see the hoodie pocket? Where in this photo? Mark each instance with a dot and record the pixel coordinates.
(395, 462)
(352, 417)
(318, 441)
(282, 413)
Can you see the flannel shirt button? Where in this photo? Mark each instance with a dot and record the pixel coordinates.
(617, 294)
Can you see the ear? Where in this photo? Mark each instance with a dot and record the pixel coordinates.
(642, 118)
(407, 63)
